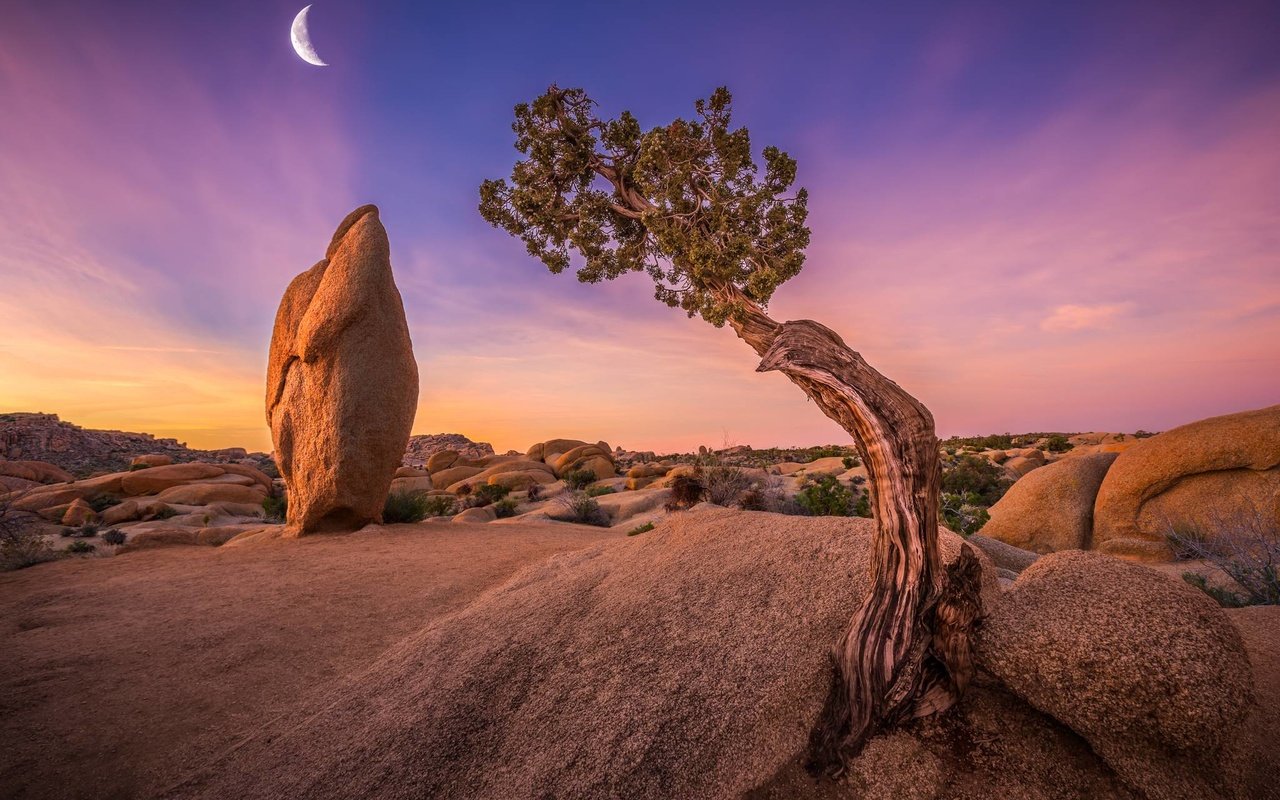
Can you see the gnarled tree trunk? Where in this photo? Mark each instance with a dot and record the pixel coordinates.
(906, 652)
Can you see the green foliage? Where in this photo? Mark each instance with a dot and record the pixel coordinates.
(275, 509)
(165, 512)
(440, 506)
(862, 508)
(114, 537)
(974, 475)
(645, 528)
(80, 546)
(487, 494)
(85, 531)
(578, 478)
(1057, 443)
(1242, 542)
(850, 462)
(102, 502)
(962, 513)
(596, 491)
(1225, 598)
(1141, 434)
(578, 507)
(405, 507)
(684, 202)
(826, 496)
(504, 508)
(996, 441)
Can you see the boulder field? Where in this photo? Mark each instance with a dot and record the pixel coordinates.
(692, 661)
(1202, 476)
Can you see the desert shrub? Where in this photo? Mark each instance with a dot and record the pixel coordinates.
(1140, 434)
(165, 512)
(104, 501)
(85, 531)
(850, 462)
(440, 506)
(974, 475)
(534, 493)
(1187, 540)
(21, 544)
(487, 494)
(1243, 543)
(725, 485)
(66, 532)
(596, 491)
(645, 528)
(1224, 597)
(405, 507)
(463, 491)
(80, 546)
(686, 491)
(579, 478)
(825, 496)
(114, 537)
(504, 508)
(578, 507)
(962, 513)
(269, 469)
(136, 467)
(275, 509)
(1057, 443)
(995, 441)
(862, 507)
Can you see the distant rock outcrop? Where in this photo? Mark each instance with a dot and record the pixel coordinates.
(1193, 476)
(1051, 509)
(422, 447)
(342, 383)
(82, 451)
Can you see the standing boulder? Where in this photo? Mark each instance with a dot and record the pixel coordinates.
(1051, 509)
(342, 383)
(1196, 475)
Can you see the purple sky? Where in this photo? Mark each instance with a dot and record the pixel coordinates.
(1045, 217)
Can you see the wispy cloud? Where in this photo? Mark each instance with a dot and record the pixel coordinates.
(1079, 318)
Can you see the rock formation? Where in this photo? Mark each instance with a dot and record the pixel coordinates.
(1192, 475)
(342, 383)
(1051, 508)
(1147, 669)
(422, 447)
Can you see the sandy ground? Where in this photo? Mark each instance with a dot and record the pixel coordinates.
(118, 675)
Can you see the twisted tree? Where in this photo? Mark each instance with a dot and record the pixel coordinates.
(687, 204)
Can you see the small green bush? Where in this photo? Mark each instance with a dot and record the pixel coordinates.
(596, 491)
(80, 547)
(850, 462)
(645, 528)
(534, 493)
(487, 494)
(405, 507)
(862, 508)
(978, 476)
(962, 513)
(826, 496)
(1058, 443)
(504, 508)
(114, 537)
(275, 509)
(85, 531)
(578, 507)
(165, 513)
(441, 506)
(579, 478)
(65, 532)
(104, 501)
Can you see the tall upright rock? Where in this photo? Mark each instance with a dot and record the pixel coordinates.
(342, 383)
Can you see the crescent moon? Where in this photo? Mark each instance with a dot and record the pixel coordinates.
(302, 40)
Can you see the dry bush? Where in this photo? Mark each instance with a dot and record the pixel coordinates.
(21, 543)
(1243, 543)
(725, 485)
(686, 491)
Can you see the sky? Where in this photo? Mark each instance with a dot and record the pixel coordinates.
(1033, 216)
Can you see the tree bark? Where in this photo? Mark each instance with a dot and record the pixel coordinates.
(907, 650)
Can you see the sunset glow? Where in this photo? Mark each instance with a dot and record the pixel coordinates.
(1033, 219)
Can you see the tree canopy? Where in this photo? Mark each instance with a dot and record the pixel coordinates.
(684, 202)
